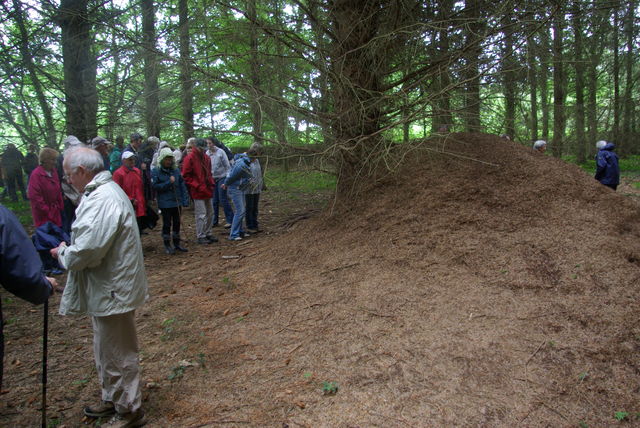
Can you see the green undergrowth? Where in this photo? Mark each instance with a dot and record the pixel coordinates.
(299, 180)
(21, 209)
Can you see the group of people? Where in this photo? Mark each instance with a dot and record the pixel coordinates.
(204, 172)
(106, 275)
(607, 168)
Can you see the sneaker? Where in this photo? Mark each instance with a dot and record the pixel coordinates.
(253, 231)
(100, 410)
(203, 241)
(127, 420)
(211, 239)
(227, 225)
(237, 238)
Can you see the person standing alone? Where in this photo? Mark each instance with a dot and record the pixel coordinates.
(607, 168)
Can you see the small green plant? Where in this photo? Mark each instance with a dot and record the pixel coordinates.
(54, 422)
(201, 359)
(503, 271)
(10, 321)
(582, 376)
(226, 280)
(621, 416)
(7, 300)
(176, 372)
(552, 344)
(80, 382)
(307, 375)
(583, 424)
(167, 325)
(574, 276)
(329, 388)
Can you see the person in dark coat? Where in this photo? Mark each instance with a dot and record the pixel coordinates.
(12, 161)
(607, 168)
(20, 268)
(31, 161)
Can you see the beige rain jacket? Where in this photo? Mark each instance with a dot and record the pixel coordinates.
(104, 260)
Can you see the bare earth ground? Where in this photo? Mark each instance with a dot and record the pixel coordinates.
(486, 286)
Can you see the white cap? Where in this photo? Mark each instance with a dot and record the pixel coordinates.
(127, 155)
(600, 144)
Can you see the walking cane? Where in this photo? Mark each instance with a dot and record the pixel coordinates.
(44, 363)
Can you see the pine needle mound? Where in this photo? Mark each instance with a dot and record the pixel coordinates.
(483, 285)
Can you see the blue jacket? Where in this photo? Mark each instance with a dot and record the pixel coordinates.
(607, 169)
(20, 267)
(240, 171)
(169, 195)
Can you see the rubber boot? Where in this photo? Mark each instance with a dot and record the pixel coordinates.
(167, 245)
(176, 244)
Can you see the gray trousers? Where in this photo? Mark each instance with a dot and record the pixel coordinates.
(115, 347)
(203, 210)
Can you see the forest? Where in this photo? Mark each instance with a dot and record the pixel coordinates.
(341, 80)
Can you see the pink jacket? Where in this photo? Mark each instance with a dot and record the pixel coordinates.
(45, 196)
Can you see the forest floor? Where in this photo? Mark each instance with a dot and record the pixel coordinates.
(489, 287)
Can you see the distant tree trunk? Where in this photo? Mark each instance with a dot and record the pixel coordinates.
(509, 77)
(79, 65)
(27, 60)
(474, 31)
(559, 84)
(254, 74)
(532, 79)
(112, 113)
(186, 83)
(625, 140)
(443, 116)
(595, 46)
(151, 95)
(616, 76)
(544, 81)
(579, 65)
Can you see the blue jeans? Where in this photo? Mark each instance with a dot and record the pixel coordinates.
(237, 197)
(220, 197)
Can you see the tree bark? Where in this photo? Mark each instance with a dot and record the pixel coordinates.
(81, 98)
(509, 76)
(151, 88)
(559, 84)
(186, 83)
(544, 81)
(579, 62)
(254, 74)
(474, 30)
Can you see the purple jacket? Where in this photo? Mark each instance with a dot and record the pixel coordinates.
(45, 196)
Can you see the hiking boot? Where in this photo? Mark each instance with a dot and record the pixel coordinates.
(167, 246)
(212, 239)
(203, 241)
(100, 410)
(127, 420)
(176, 245)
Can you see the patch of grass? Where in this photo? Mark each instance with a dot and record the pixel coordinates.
(329, 388)
(176, 372)
(22, 210)
(305, 181)
(621, 416)
(167, 325)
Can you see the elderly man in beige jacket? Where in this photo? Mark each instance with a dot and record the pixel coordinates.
(107, 281)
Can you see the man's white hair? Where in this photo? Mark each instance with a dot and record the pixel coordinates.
(600, 144)
(539, 144)
(87, 158)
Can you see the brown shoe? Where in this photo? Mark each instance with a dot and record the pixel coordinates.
(100, 410)
(127, 420)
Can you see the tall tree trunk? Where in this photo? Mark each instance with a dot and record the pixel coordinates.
(509, 77)
(114, 84)
(625, 140)
(254, 94)
(544, 81)
(579, 65)
(559, 84)
(443, 116)
(598, 28)
(151, 95)
(186, 96)
(27, 60)
(79, 65)
(474, 30)
(532, 79)
(356, 84)
(616, 75)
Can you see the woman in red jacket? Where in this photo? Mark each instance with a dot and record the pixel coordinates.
(196, 171)
(45, 194)
(130, 179)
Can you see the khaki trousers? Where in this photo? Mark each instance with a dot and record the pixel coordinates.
(115, 347)
(203, 210)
